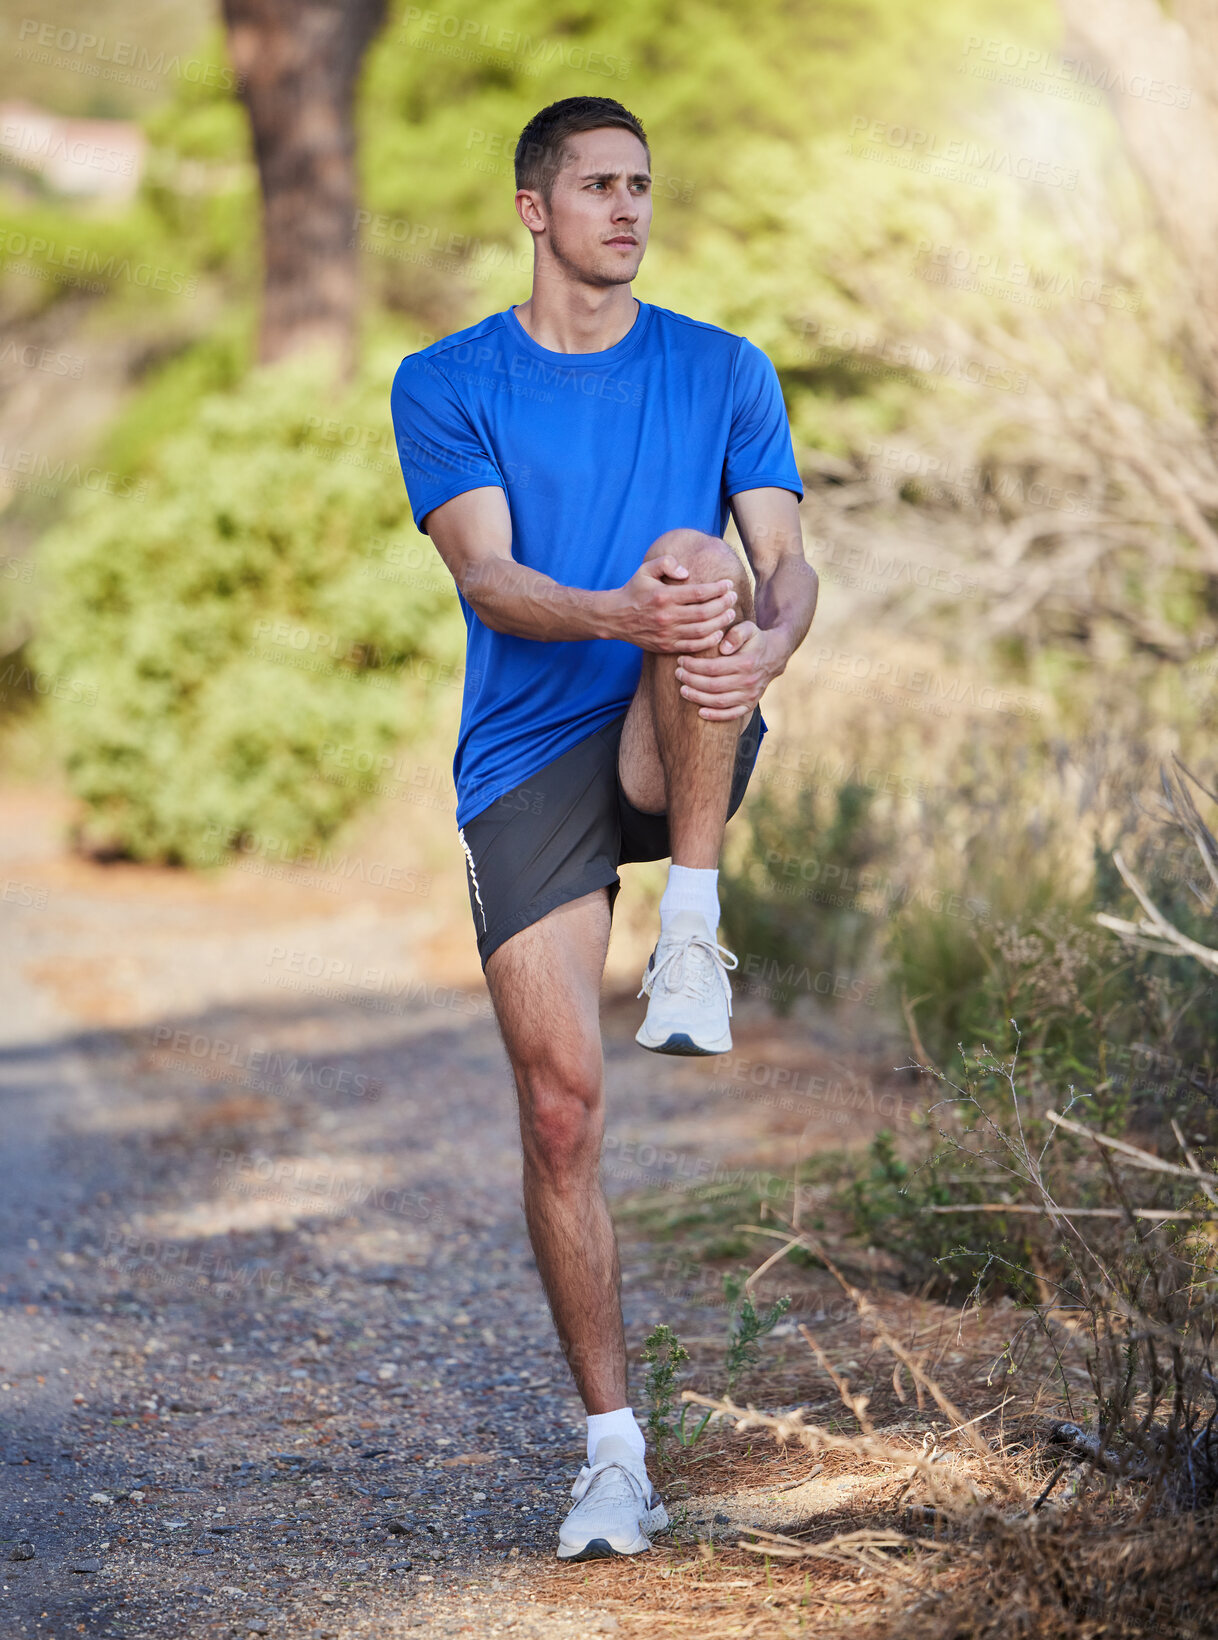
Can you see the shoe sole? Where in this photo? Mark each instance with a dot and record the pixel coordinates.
(680, 1042)
(601, 1549)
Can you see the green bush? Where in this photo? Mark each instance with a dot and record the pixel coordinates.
(234, 637)
(664, 1355)
(746, 1326)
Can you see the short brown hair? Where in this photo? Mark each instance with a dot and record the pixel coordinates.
(542, 151)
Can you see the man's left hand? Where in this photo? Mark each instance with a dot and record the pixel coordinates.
(729, 681)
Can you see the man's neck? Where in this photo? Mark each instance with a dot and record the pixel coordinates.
(576, 319)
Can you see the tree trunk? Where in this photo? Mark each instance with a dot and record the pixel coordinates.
(1161, 65)
(298, 61)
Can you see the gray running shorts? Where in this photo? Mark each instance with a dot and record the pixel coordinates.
(564, 832)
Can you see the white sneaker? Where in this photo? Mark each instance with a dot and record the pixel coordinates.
(615, 1506)
(691, 995)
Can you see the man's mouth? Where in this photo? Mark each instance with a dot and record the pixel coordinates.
(622, 239)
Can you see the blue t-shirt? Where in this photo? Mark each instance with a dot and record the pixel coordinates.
(598, 453)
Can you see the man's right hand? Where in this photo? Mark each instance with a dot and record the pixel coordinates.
(661, 610)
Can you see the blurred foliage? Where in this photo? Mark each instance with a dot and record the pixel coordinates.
(776, 215)
(971, 903)
(790, 207)
(236, 654)
(52, 254)
(201, 182)
(1136, 1030)
(196, 214)
(773, 215)
(801, 215)
(106, 59)
(801, 887)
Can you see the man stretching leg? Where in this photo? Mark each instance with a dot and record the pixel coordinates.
(574, 459)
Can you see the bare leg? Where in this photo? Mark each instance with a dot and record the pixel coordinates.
(545, 984)
(671, 760)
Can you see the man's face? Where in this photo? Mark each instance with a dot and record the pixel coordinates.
(600, 207)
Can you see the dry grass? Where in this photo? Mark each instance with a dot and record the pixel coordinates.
(979, 1563)
(980, 1474)
(946, 1531)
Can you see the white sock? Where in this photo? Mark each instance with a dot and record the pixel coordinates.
(621, 1423)
(691, 889)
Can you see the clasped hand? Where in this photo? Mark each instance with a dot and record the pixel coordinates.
(723, 668)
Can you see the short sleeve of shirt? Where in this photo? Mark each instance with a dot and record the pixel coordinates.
(438, 445)
(759, 451)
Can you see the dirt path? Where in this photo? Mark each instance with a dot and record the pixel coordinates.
(275, 1357)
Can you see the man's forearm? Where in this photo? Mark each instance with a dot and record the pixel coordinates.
(785, 600)
(509, 597)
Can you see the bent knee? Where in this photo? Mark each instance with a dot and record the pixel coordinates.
(706, 556)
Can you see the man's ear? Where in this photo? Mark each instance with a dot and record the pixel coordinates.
(531, 209)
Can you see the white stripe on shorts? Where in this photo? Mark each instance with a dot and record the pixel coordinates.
(473, 876)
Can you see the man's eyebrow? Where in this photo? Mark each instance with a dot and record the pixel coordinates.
(612, 176)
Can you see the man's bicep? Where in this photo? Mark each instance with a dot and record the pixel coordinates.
(769, 524)
(471, 529)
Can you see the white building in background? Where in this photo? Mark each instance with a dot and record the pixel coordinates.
(99, 158)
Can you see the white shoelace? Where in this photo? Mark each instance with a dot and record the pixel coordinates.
(712, 958)
(625, 1487)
